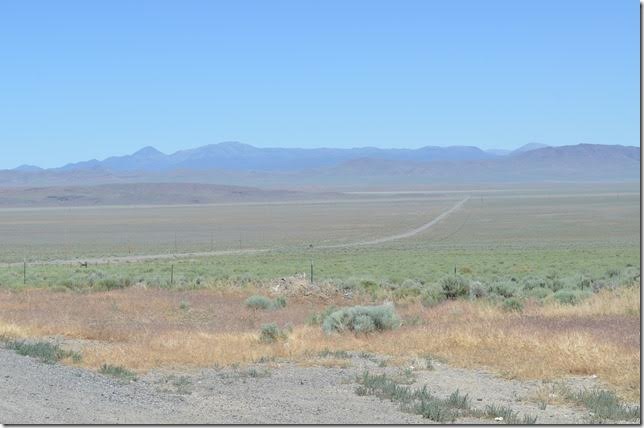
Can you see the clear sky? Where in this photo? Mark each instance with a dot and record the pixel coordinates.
(90, 79)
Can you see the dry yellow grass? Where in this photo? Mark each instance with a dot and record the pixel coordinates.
(14, 331)
(622, 301)
(147, 329)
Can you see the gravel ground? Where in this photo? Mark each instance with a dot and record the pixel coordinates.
(36, 393)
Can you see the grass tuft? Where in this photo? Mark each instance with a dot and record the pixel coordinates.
(44, 351)
(271, 333)
(605, 406)
(119, 372)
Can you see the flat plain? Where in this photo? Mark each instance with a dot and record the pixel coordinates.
(535, 285)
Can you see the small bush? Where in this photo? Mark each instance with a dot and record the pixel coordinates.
(530, 283)
(279, 302)
(108, 284)
(44, 351)
(584, 283)
(271, 333)
(318, 317)
(504, 289)
(477, 290)
(567, 296)
(370, 287)
(512, 305)
(612, 273)
(509, 416)
(262, 302)
(539, 292)
(117, 372)
(553, 282)
(432, 295)
(259, 302)
(454, 286)
(362, 319)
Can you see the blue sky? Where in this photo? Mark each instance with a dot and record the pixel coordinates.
(90, 79)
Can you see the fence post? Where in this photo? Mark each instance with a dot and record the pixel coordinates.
(24, 271)
(171, 274)
(311, 271)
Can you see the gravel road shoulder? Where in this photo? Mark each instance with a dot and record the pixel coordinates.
(36, 393)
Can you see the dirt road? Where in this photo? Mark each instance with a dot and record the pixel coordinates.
(166, 256)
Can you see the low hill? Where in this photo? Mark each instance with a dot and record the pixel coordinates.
(142, 194)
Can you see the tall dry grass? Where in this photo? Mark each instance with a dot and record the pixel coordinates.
(142, 329)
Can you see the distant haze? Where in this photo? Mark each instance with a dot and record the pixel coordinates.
(240, 164)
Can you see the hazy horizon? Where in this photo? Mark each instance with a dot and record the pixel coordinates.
(27, 163)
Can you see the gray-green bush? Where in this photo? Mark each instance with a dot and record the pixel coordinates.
(270, 333)
(362, 319)
(263, 302)
(454, 286)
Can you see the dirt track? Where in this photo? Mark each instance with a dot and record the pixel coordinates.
(146, 257)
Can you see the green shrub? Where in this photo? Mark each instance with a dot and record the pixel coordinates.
(362, 319)
(531, 282)
(108, 284)
(539, 292)
(117, 372)
(406, 291)
(612, 273)
(259, 302)
(584, 283)
(370, 287)
(270, 333)
(454, 286)
(432, 295)
(504, 289)
(567, 296)
(513, 305)
(44, 351)
(509, 416)
(279, 302)
(553, 282)
(318, 317)
(263, 302)
(477, 290)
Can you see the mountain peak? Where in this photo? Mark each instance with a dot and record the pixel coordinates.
(27, 168)
(529, 147)
(147, 151)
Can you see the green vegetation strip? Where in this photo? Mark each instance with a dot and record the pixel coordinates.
(422, 402)
(44, 351)
(605, 406)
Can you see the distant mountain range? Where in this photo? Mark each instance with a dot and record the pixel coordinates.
(239, 164)
(235, 156)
